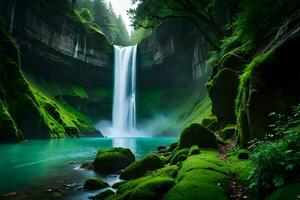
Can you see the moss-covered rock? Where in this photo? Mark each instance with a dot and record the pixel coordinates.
(95, 184)
(141, 167)
(228, 132)
(210, 122)
(104, 195)
(202, 176)
(173, 146)
(173, 158)
(113, 160)
(194, 150)
(196, 134)
(152, 189)
(223, 91)
(261, 92)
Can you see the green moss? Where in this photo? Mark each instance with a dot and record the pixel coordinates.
(196, 134)
(239, 168)
(202, 176)
(173, 158)
(95, 184)
(228, 132)
(208, 159)
(62, 120)
(152, 189)
(152, 186)
(245, 77)
(8, 127)
(210, 122)
(113, 160)
(289, 192)
(245, 93)
(194, 150)
(104, 195)
(140, 167)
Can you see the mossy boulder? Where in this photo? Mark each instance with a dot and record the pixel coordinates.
(152, 189)
(223, 84)
(228, 132)
(243, 154)
(104, 195)
(223, 91)
(173, 158)
(202, 176)
(95, 184)
(141, 167)
(173, 146)
(194, 150)
(196, 134)
(113, 160)
(210, 122)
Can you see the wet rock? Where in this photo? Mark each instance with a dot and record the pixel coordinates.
(10, 194)
(95, 184)
(87, 165)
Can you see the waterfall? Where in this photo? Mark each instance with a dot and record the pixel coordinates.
(76, 47)
(124, 108)
(12, 16)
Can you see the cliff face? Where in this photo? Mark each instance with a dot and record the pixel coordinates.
(171, 76)
(172, 56)
(58, 50)
(64, 68)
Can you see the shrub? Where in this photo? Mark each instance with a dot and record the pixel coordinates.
(276, 160)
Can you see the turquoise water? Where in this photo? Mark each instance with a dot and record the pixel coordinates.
(39, 163)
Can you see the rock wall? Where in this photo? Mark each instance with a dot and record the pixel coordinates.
(57, 49)
(172, 56)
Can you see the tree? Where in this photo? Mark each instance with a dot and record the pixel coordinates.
(150, 13)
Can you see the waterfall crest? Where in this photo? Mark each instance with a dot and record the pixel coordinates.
(124, 105)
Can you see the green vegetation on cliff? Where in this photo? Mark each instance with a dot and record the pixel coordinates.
(27, 112)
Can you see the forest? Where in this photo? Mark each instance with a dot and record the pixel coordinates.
(149, 99)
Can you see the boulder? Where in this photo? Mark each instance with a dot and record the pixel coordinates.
(194, 150)
(154, 188)
(140, 167)
(196, 134)
(103, 195)
(228, 132)
(113, 160)
(95, 184)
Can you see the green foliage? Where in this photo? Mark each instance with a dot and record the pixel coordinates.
(276, 160)
(62, 120)
(86, 14)
(104, 17)
(289, 192)
(258, 18)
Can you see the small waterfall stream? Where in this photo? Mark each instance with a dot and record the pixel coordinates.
(124, 105)
(75, 55)
(12, 15)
